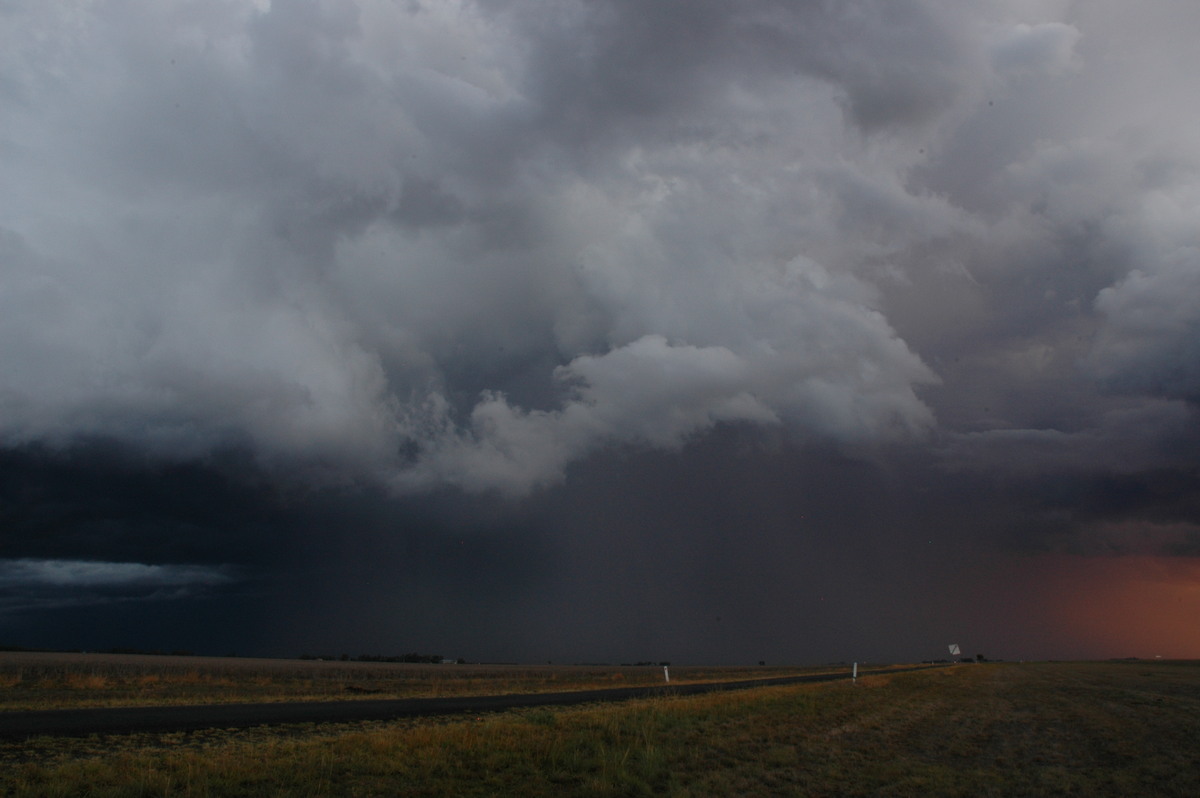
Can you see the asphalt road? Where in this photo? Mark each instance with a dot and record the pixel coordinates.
(124, 720)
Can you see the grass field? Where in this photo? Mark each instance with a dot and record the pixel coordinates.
(1087, 729)
(43, 680)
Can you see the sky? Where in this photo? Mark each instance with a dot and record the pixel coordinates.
(601, 331)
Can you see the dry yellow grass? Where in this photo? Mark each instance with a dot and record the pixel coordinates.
(988, 730)
(85, 681)
(36, 680)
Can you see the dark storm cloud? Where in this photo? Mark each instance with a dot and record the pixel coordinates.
(623, 63)
(362, 220)
(364, 261)
(100, 525)
(99, 501)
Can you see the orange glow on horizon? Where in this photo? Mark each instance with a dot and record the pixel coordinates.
(1125, 606)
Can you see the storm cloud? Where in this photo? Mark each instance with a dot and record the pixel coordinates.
(336, 247)
(475, 252)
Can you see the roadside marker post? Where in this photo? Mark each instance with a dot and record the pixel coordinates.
(666, 675)
(854, 674)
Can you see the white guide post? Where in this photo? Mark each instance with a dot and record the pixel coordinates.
(666, 674)
(854, 674)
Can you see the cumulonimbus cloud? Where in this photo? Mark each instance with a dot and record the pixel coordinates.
(285, 229)
(471, 243)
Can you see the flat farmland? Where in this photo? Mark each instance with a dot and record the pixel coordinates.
(44, 680)
(1087, 729)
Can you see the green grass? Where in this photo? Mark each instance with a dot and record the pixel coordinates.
(977, 730)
